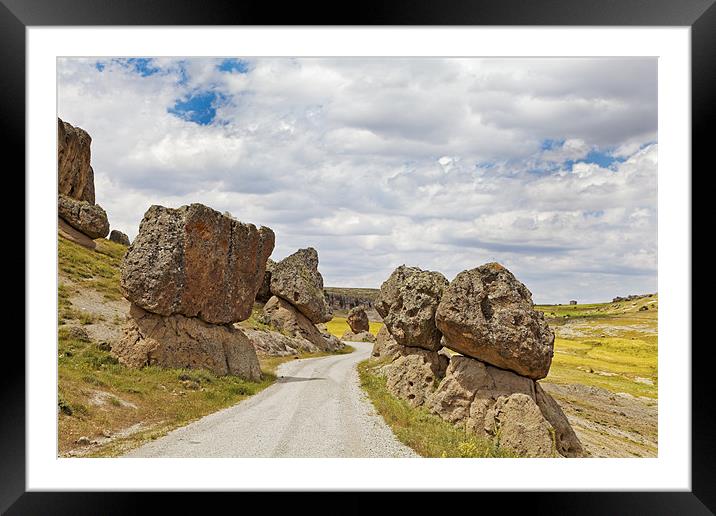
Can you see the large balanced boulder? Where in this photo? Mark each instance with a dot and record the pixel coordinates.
(407, 303)
(119, 237)
(296, 279)
(499, 404)
(186, 342)
(196, 262)
(264, 292)
(85, 217)
(358, 319)
(283, 316)
(486, 313)
(74, 173)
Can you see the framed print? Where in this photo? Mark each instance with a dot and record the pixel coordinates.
(429, 248)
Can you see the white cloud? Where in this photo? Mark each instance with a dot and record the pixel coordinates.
(440, 163)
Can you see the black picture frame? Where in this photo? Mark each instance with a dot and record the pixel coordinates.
(700, 15)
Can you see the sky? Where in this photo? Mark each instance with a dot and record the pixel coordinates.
(547, 166)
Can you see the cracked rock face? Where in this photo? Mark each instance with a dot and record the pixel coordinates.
(486, 313)
(186, 342)
(407, 303)
(196, 262)
(87, 218)
(74, 173)
(296, 279)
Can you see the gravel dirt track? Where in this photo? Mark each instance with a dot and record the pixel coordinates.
(316, 408)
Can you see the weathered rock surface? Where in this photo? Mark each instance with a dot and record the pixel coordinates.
(273, 343)
(186, 342)
(364, 336)
(119, 237)
(196, 262)
(383, 341)
(297, 280)
(500, 404)
(264, 292)
(486, 313)
(283, 316)
(407, 303)
(358, 319)
(74, 173)
(85, 217)
(415, 373)
(70, 233)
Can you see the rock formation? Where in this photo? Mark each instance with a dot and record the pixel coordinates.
(273, 343)
(190, 274)
(177, 341)
(196, 262)
(363, 336)
(264, 292)
(75, 178)
(87, 218)
(486, 313)
(358, 319)
(75, 175)
(296, 279)
(286, 318)
(407, 303)
(119, 237)
(500, 404)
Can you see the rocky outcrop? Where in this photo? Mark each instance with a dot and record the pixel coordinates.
(119, 237)
(85, 217)
(407, 303)
(74, 173)
(414, 374)
(264, 292)
(296, 279)
(286, 318)
(358, 319)
(505, 406)
(383, 341)
(177, 341)
(364, 336)
(273, 343)
(486, 313)
(70, 233)
(196, 262)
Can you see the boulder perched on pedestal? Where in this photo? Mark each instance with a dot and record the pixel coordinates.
(177, 341)
(486, 313)
(283, 316)
(502, 405)
(296, 279)
(85, 217)
(119, 237)
(407, 303)
(196, 262)
(415, 373)
(358, 320)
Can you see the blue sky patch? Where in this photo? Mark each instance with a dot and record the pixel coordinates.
(199, 107)
(603, 159)
(234, 65)
(550, 144)
(141, 65)
(99, 65)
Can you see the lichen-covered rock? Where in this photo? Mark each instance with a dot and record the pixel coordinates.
(486, 313)
(499, 404)
(196, 262)
(383, 340)
(364, 336)
(87, 218)
(414, 374)
(358, 319)
(119, 237)
(264, 292)
(186, 342)
(75, 176)
(296, 279)
(283, 316)
(407, 303)
(66, 231)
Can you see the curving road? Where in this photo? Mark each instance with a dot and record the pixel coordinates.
(315, 409)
